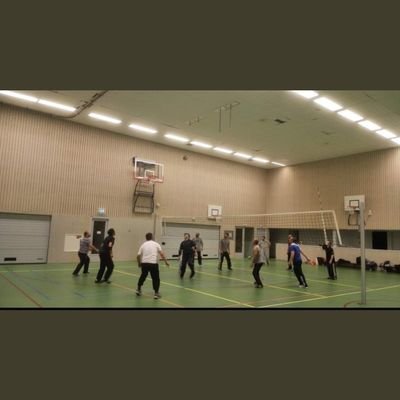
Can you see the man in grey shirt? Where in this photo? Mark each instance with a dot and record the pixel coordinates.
(84, 247)
(224, 251)
(199, 247)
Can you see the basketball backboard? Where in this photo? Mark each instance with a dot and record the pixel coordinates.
(148, 170)
(353, 201)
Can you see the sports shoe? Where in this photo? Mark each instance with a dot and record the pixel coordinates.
(138, 292)
(220, 268)
(230, 268)
(191, 274)
(107, 281)
(97, 281)
(75, 273)
(301, 285)
(157, 296)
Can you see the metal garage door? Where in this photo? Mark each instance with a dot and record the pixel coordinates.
(172, 236)
(24, 238)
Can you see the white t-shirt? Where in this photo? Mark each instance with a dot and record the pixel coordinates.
(149, 251)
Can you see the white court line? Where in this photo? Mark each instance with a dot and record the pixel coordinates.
(330, 297)
(266, 285)
(308, 280)
(193, 290)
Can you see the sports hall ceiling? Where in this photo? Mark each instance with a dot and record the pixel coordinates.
(280, 126)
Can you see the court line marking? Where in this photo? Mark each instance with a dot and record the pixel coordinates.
(193, 290)
(266, 285)
(333, 296)
(147, 296)
(311, 280)
(21, 290)
(226, 277)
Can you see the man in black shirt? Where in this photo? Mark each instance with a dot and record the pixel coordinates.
(330, 260)
(106, 256)
(187, 250)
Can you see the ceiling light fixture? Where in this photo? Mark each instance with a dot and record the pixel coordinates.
(261, 160)
(328, 104)
(19, 96)
(200, 144)
(142, 128)
(176, 137)
(242, 155)
(396, 140)
(308, 94)
(386, 134)
(105, 118)
(350, 115)
(223, 150)
(369, 125)
(279, 164)
(56, 105)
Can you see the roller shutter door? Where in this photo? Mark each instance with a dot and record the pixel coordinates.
(172, 236)
(24, 239)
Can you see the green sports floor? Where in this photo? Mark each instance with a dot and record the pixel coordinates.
(54, 286)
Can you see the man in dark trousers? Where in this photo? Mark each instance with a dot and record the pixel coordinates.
(296, 261)
(199, 247)
(187, 250)
(147, 258)
(330, 260)
(84, 247)
(224, 250)
(106, 258)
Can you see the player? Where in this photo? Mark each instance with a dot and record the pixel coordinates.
(224, 250)
(296, 261)
(187, 250)
(330, 260)
(106, 258)
(147, 259)
(199, 247)
(258, 261)
(83, 253)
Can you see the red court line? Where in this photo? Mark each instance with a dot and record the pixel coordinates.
(22, 291)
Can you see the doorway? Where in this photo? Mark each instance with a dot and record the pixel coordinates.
(99, 232)
(244, 241)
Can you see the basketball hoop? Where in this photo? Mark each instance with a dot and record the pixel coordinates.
(148, 180)
(353, 210)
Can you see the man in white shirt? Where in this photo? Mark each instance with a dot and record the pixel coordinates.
(147, 259)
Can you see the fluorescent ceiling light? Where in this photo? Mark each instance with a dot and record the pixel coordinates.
(386, 134)
(276, 163)
(369, 125)
(397, 140)
(223, 150)
(142, 128)
(176, 137)
(56, 105)
(242, 155)
(201, 144)
(328, 104)
(19, 96)
(261, 160)
(352, 116)
(105, 118)
(308, 94)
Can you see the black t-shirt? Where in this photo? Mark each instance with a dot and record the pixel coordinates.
(329, 252)
(105, 247)
(187, 247)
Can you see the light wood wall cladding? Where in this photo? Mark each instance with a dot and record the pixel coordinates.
(54, 166)
(375, 174)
